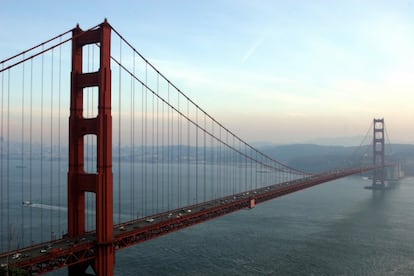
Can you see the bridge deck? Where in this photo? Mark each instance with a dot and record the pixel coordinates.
(50, 256)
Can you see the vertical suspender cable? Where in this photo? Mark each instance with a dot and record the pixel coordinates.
(152, 153)
(196, 158)
(169, 160)
(142, 149)
(1, 161)
(188, 154)
(236, 180)
(227, 164)
(41, 149)
(145, 138)
(239, 163)
(246, 169)
(237, 169)
(132, 137)
(157, 138)
(9, 226)
(259, 167)
(22, 153)
(223, 166)
(255, 173)
(213, 163)
(159, 135)
(205, 160)
(59, 143)
(223, 163)
(227, 167)
(163, 156)
(51, 148)
(268, 174)
(179, 154)
(119, 134)
(133, 140)
(30, 150)
(234, 162)
(219, 163)
(249, 184)
(230, 164)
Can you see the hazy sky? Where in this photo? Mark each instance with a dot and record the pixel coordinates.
(279, 71)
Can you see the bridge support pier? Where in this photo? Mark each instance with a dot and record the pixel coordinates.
(101, 182)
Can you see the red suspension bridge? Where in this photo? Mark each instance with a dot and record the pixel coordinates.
(137, 158)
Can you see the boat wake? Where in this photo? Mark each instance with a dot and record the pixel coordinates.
(48, 207)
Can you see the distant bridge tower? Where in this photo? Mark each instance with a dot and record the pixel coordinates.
(378, 178)
(100, 182)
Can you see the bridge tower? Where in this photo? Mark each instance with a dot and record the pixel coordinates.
(101, 182)
(378, 178)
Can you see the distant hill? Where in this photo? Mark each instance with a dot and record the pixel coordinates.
(306, 157)
(316, 158)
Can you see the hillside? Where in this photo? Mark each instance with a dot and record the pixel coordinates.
(316, 158)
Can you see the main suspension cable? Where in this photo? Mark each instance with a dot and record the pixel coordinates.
(188, 99)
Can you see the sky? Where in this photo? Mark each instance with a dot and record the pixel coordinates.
(275, 71)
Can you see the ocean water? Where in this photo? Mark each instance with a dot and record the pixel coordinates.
(337, 228)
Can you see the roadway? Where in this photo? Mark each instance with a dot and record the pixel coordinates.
(56, 254)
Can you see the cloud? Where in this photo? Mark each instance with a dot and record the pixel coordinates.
(253, 48)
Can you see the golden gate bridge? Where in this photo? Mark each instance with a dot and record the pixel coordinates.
(134, 158)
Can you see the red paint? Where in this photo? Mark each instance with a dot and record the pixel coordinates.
(80, 182)
(378, 153)
(252, 203)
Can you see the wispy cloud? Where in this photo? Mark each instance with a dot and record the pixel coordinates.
(253, 48)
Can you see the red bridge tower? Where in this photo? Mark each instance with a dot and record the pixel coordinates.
(378, 178)
(101, 182)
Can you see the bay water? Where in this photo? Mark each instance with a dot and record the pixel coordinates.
(337, 228)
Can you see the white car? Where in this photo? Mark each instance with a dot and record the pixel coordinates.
(16, 256)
